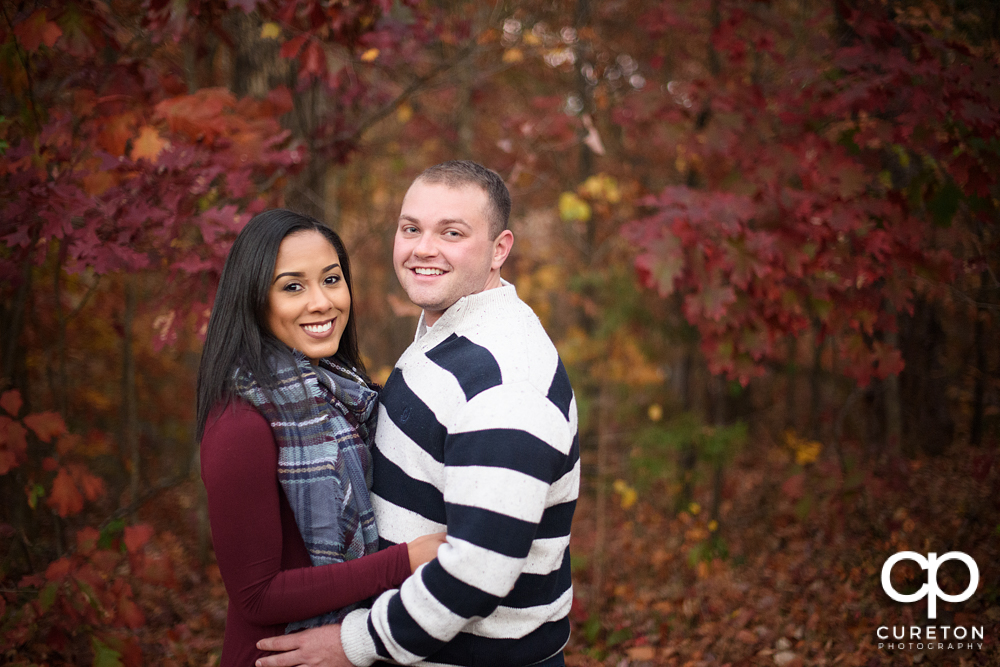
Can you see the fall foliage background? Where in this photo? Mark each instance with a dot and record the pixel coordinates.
(763, 234)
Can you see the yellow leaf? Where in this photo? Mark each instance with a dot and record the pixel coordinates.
(655, 412)
(694, 508)
(148, 145)
(369, 55)
(270, 30)
(629, 495)
(511, 56)
(404, 113)
(572, 208)
(531, 39)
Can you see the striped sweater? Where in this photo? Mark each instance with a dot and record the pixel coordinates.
(477, 432)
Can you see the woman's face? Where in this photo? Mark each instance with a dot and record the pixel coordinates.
(309, 302)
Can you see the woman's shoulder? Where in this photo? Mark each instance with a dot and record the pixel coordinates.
(234, 419)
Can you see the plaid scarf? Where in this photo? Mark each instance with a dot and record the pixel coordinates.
(323, 419)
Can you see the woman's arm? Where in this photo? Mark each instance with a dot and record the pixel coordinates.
(239, 468)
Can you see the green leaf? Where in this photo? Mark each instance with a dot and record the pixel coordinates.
(47, 596)
(104, 655)
(619, 636)
(110, 532)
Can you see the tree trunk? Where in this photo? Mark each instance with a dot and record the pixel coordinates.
(815, 383)
(791, 375)
(893, 407)
(15, 323)
(130, 421)
(601, 503)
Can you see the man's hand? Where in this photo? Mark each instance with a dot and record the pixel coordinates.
(317, 647)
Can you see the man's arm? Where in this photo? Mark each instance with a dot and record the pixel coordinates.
(507, 447)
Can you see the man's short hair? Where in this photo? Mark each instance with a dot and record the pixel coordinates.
(457, 173)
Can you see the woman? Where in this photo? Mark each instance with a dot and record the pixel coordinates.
(286, 415)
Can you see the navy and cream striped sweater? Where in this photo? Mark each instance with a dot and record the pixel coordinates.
(477, 434)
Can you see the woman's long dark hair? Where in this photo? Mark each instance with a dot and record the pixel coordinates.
(238, 335)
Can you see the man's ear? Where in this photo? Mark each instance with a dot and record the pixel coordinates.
(501, 248)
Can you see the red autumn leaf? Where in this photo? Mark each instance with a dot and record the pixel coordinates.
(13, 444)
(68, 442)
(59, 569)
(36, 30)
(795, 486)
(291, 48)
(46, 425)
(11, 402)
(137, 536)
(91, 485)
(129, 613)
(65, 498)
(313, 60)
(49, 464)
(86, 539)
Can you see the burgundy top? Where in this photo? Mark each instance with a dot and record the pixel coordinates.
(261, 555)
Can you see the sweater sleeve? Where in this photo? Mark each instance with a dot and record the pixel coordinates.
(508, 446)
(239, 468)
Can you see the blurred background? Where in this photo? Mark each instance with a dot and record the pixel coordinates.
(763, 235)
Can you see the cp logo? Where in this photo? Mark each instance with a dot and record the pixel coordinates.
(930, 589)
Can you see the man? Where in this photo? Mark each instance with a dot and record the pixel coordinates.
(477, 432)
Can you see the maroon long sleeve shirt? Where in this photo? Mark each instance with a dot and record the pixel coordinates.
(261, 555)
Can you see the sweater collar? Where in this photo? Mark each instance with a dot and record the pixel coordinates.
(467, 306)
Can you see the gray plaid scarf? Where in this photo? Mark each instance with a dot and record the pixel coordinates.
(323, 419)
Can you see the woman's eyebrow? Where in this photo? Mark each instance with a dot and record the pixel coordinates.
(299, 274)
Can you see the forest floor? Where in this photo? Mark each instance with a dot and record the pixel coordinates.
(790, 575)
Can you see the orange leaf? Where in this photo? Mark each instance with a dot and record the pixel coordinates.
(58, 569)
(91, 485)
(149, 145)
(137, 536)
(65, 498)
(46, 425)
(68, 442)
(11, 402)
(115, 133)
(35, 31)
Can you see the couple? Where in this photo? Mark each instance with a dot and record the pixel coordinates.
(323, 493)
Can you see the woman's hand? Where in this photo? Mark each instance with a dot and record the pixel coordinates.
(424, 549)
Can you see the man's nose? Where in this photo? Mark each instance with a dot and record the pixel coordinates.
(426, 246)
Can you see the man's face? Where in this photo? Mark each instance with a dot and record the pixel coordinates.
(443, 250)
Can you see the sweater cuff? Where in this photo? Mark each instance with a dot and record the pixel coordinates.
(358, 645)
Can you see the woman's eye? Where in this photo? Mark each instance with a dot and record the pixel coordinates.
(292, 287)
(332, 280)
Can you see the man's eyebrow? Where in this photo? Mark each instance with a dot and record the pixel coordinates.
(299, 274)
